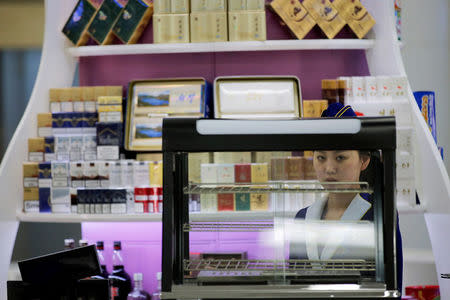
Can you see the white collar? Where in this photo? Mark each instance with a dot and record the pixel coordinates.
(354, 212)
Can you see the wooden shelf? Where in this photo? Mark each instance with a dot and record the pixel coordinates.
(274, 45)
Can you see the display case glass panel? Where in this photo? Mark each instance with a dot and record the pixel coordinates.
(303, 217)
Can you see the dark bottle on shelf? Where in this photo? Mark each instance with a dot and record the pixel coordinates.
(119, 279)
(101, 259)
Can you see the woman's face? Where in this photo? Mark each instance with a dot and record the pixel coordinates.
(343, 165)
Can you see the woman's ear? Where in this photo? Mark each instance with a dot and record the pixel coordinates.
(365, 159)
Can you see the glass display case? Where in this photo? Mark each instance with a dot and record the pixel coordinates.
(312, 201)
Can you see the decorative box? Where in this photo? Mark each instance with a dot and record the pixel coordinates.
(247, 26)
(76, 26)
(133, 20)
(149, 101)
(255, 97)
(171, 28)
(101, 27)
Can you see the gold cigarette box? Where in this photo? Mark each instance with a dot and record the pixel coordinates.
(294, 15)
(172, 28)
(209, 27)
(326, 16)
(36, 144)
(356, 16)
(244, 5)
(30, 193)
(314, 108)
(113, 90)
(30, 169)
(198, 6)
(247, 26)
(44, 120)
(171, 6)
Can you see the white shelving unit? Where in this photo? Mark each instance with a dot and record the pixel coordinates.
(57, 69)
(284, 45)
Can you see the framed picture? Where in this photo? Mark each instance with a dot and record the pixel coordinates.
(149, 101)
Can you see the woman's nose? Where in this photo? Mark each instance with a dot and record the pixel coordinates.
(330, 168)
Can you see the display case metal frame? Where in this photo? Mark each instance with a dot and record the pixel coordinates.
(181, 136)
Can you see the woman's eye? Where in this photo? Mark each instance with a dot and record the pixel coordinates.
(340, 157)
(320, 157)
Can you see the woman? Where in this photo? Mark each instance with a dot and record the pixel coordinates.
(340, 166)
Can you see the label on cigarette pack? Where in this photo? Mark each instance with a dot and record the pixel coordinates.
(30, 182)
(45, 131)
(36, 156)
(108, 152)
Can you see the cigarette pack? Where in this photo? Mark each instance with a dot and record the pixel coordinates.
(55, 104)
(36, 148)
(426, 102)
(109, 134)
(194, 162)
(76, 26)
(209, 27)
(44, 124)
(102, 24)
(294, 15)
(259, 173)
(30, 174)
(225, 173)
(44, 200)
(326, 16)
(242, 173)
(208, 6)
(31, 199)
(259, 202)
(242, 201)
(225, 202)
(172, 28)
(247, 26)
(133, 20)
(356, 16)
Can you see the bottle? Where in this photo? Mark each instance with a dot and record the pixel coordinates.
(119, 280)
(157, 295)
(83, 243)
(101, 259)
(138, 292)
(69, 244)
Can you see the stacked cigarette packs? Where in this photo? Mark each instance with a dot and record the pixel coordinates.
(330, 16)
(74, 167)
(230, 173)
(171, 21)
(387, 96)
(208, 21)
(246, 20)
(102, 22)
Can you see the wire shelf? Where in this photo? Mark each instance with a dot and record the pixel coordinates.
(228, 226)
(301, 186)
(254, 265)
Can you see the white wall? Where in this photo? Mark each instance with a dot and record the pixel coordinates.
(425, 33)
